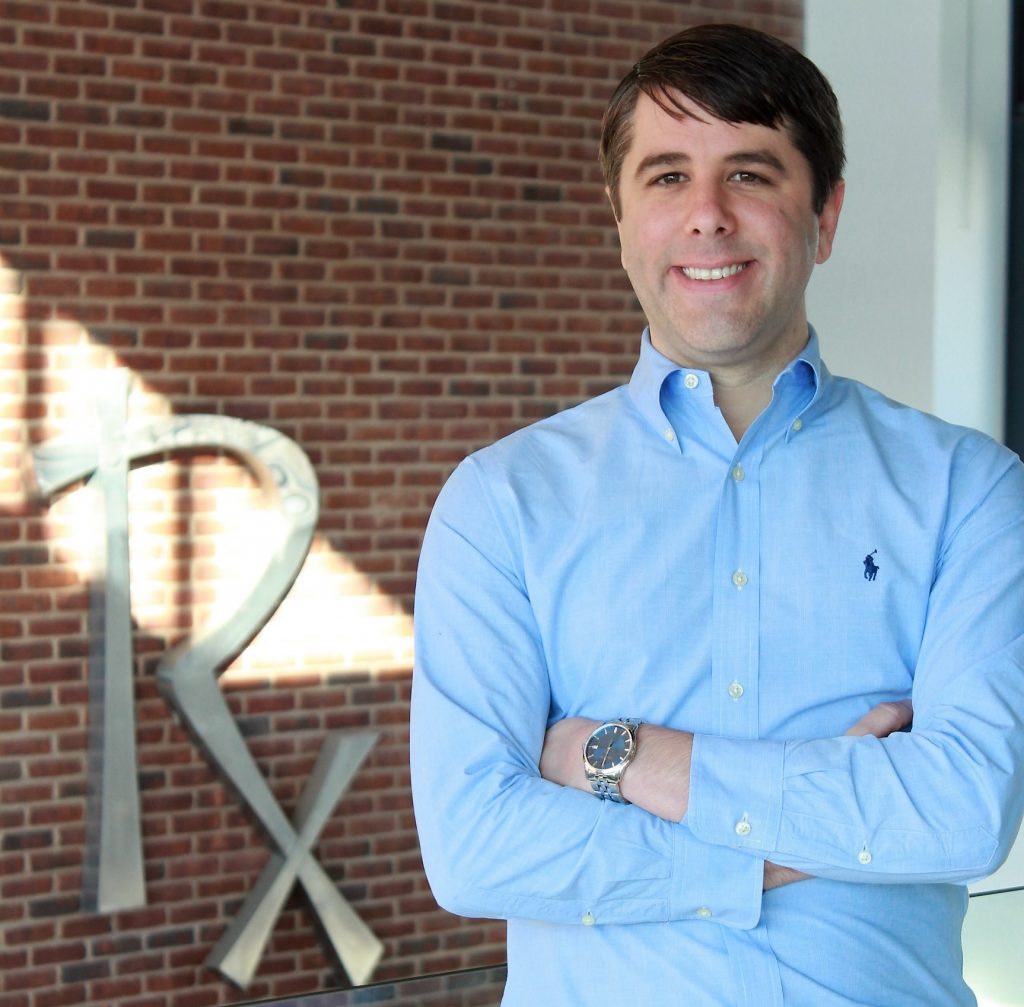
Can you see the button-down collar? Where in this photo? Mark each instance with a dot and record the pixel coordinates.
(678, 402)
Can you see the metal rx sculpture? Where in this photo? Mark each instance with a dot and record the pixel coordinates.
(188, 678)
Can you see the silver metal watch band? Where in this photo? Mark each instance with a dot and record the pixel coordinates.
(607, 790)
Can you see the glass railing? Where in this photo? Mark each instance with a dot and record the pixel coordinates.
(480, 987)
(993, 962)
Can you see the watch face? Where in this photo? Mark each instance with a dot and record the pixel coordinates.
(609, 746)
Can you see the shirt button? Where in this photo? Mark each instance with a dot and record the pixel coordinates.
(588, 919)
(736, 690)
(738, 474)
(691, 381)
(743, 828)
(798, 425)
(739, 578)
(670, 435)
(864, 856)
(704, 913)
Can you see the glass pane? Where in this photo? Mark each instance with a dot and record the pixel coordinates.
(469, 988)
(993, 939)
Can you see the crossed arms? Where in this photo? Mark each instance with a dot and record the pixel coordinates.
(658, 781)
(506, 832)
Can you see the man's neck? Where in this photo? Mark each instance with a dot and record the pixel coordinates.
(743, 388)
(742, 404)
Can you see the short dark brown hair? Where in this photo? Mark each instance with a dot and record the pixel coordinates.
(738, 75)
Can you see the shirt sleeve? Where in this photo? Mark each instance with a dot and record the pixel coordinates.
(498, 840)
(941, 802)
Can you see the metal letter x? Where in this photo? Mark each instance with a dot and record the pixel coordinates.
(238, 952)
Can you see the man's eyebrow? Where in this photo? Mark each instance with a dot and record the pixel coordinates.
(673, 158)
(667, 158)
(765, 157)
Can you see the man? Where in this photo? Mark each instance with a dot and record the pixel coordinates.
(687, 554)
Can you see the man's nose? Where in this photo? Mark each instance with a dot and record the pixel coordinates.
(708, 209)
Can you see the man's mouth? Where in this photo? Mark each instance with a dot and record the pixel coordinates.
(714, 273)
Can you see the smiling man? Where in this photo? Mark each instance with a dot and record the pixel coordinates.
(668, 640)
(719, 233)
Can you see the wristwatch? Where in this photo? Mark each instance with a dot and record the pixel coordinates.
(606, 754)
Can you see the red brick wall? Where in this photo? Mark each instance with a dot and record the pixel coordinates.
(374, 225)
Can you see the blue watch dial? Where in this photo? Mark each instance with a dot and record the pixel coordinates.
(609, 746)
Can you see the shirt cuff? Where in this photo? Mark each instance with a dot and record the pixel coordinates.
(716, 885)
(736, 792)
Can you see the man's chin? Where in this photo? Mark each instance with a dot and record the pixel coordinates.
(707, 346)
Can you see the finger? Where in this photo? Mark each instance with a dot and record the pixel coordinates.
(884, 719)
(776, 876)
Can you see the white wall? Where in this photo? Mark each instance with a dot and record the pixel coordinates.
(913, 299)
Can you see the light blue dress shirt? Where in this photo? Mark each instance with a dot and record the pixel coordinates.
(627, 558)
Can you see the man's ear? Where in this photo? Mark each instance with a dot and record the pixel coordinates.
(614, 204)
(616, 213)
(828, 221)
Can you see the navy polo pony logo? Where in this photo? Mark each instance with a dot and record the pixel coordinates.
(870, 566)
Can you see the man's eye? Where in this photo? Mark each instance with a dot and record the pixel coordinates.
(672, 178)
(748, 177)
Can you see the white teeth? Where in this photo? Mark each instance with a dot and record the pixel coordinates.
(695, 273)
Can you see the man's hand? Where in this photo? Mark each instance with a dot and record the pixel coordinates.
(884, 719)
(776, 876)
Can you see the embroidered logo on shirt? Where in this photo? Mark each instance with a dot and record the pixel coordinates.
(870, 566)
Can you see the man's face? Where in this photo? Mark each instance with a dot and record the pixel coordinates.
(719, 237)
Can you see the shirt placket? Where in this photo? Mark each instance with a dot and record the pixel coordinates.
(735, 675)
(737, 592)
